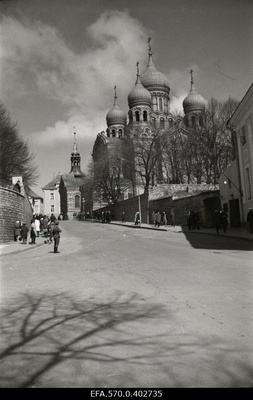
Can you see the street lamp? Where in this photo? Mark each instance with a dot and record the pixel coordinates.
(138, 191)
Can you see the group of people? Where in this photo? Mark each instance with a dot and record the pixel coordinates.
(193, 220)
(159, 219)
(47, 227)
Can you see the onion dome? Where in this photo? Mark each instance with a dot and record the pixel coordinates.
(139, 95)
(152, 79)
(116, 115)
(193, 101)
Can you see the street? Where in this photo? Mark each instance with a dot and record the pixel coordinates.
(122, 307)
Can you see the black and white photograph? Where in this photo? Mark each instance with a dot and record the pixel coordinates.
(126, 195)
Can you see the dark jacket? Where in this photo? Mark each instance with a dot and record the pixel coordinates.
(56, 232)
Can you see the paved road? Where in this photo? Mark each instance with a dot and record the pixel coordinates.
(122, 307)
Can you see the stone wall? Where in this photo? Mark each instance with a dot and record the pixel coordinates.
(129, 207)
(205, 203)
(13, 207)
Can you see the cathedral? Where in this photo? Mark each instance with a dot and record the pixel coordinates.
(149, 113)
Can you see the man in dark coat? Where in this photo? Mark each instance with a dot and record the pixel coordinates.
(56, 235)
(250, 219)
(24, 232)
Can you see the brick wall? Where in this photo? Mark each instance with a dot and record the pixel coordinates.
(13, 207)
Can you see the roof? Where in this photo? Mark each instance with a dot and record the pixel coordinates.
(72, 181)
(31, 193)
(52, 185)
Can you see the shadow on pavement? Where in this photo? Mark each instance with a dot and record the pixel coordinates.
(55, 340)
(202, 240)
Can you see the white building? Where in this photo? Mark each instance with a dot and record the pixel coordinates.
(52, 201)
(239, 185)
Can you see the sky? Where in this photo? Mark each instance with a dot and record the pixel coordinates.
(60, 60)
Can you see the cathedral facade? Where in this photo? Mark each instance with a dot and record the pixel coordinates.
(148, 116)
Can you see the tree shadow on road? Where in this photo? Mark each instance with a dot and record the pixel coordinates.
(55, 340)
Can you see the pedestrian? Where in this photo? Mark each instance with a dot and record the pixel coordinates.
(250, 219)
(217, 220)
(157, 219)
(224, 220)
(37, 226)
(195, 220)
(189, 219)
(24, 232)
(137, 218)
(16, 230)
(123, 218)
(153, 217)
(52, 218)
(172, 216)
(33, 232)
(56, 234)
(164, 218)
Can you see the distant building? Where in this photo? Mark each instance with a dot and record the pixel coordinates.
(36, 201)
(70, 185)
(236, 184)
(52, 201)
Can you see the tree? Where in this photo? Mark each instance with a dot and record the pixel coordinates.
(15, 156)
(200, 153)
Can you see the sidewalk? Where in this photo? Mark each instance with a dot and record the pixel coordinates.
(17, 247)
(239, 233)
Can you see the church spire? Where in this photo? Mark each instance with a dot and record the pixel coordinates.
(75, 159)
(192, 82)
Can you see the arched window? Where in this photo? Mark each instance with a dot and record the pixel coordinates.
(153, 121)
(201, 121)
(160, 100)
(113, 133)
(77, 201)
(137, 116)
(162, 123)
(145, 116)
(120, 133)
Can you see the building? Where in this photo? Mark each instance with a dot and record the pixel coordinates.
(70, 185)
(36, 201)
(148, 116)
(236, 184)
(52, 201)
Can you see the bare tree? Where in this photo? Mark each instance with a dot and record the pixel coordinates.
(15, 155)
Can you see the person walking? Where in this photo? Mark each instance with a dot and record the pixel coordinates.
(172, 216)
(164, 218)
(37, 226)
(250, 219)
(157, 219)
(16, 230)
(137, 218)
(33, 232)
(24, 232)
(56, 235)
(224, 220)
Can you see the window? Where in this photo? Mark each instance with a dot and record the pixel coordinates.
(162, 123)
(137, 116)
(113, 133)
(145, 116)
(120, 133)
(248, 183)
(160, 104)
(52, 207)
(170, 122)
(193, 120)
(77, 201)
(201, 121)
(51, 195)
